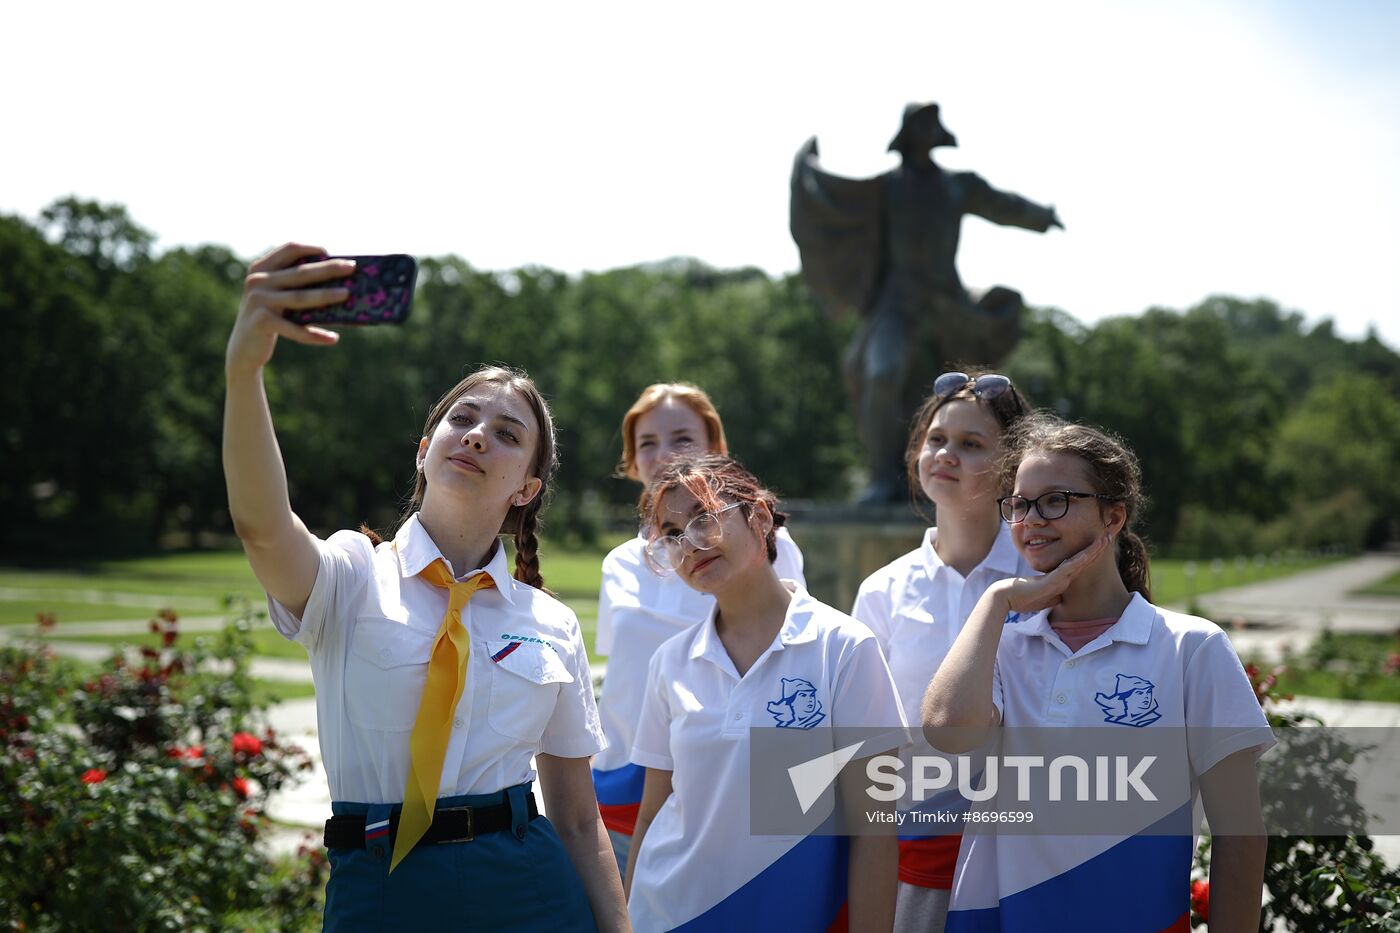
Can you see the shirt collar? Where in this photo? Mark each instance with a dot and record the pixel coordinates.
(1002, 558)
(799, 626)
(800, 623)
(1134, 626)
(416, 550)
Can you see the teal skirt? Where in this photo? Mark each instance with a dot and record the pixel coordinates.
(519, 879)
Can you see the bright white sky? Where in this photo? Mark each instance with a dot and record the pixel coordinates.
(1191, 146)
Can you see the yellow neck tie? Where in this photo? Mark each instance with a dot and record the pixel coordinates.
(447, 676)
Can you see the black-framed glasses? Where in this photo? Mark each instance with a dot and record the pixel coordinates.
(1050, 505)
(985, 387)
(703, 532)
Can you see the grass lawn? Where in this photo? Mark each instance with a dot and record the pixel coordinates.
(1346, 666)
(1390, 586)
(275, 691)
(1333, 685)
(1171, 585)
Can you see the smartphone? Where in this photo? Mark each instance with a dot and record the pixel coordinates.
(381, 292)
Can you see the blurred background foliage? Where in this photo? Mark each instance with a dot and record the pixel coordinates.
(1257, 431)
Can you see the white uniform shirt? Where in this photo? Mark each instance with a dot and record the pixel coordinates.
(1153, 669)
(917, 605)
(369, 628)
(638, 609)
(698, 851)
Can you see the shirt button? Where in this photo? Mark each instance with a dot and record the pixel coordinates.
(1060, 699)
(1071, 663)
(738, 715)
(386, 654)
(457, 722)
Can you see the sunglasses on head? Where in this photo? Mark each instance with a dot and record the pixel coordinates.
(985, 387)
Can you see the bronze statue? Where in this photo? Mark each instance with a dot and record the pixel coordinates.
(885, 246)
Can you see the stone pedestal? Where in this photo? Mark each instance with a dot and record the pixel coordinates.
(842, 544)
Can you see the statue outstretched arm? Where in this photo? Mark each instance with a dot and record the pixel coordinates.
(836, 223)
(1003, 207)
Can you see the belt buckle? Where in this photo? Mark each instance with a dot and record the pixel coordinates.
(471, 825)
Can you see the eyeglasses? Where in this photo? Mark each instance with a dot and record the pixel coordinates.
(703, 532)
(1051, 505)
(985, 387)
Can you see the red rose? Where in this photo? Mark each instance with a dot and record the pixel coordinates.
(94, 776)
(1200, 899)
(240, 787)
(247, 743)
(194, 752)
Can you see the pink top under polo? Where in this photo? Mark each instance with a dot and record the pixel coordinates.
(1076, 635)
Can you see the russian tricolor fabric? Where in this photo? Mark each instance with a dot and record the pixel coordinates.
(699, 867)
(1153, 670)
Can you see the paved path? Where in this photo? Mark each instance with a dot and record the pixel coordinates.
(106, 598)
(1264, 617)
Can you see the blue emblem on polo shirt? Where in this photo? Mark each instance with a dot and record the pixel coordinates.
(1131, 703)
(798, 707)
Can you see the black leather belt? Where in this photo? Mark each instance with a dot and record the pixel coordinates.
(450, 824)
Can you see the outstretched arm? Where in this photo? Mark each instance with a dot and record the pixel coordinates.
(281, 550)
(1005, 208)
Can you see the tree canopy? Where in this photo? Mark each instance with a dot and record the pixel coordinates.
(1255, 430)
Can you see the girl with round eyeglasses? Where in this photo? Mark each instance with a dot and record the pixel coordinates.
(916, 605)
(1090, 652)
(767, 658)
(639, 608)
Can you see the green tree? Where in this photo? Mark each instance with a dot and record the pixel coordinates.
(1344, 435)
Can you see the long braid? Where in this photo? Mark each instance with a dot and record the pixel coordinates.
(527, 548)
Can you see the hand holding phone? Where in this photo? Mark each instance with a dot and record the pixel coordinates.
(381, 292)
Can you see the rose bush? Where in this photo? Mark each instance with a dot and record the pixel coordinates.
(1313, 884)
(133, 795)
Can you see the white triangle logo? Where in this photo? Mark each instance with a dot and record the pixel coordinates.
(811, 778)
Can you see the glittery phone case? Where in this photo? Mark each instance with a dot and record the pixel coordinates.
(381, 292)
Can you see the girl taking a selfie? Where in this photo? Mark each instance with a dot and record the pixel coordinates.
(766, 655)
(916, 605)
(439, 673)
(638, 608)
(1087, 648)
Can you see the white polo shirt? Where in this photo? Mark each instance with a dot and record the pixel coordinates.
(1153, 669)
(698, 853)
(638, 609)
(916, 605)
(369, 628)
